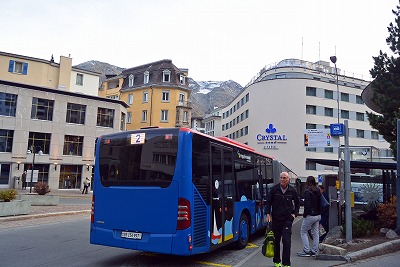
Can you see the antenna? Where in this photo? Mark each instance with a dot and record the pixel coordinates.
(319, 51)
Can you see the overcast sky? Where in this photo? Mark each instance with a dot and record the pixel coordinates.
(215, 39)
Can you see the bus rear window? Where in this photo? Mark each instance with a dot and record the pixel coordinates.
(138, 158)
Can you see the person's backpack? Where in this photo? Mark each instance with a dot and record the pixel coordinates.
(268, 245)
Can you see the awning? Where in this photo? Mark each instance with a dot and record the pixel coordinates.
(357, 164)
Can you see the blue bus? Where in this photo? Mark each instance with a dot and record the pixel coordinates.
(177, 191)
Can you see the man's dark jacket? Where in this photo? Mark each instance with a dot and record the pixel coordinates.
(282, 204)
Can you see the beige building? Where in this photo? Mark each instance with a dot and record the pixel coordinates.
(49, 124)
(272, 113)
(157, 94)
(47, 73)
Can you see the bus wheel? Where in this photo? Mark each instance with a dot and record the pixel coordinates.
(244, 232)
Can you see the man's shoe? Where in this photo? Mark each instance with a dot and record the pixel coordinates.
(277, 264)
(304, 254)
(286, 265)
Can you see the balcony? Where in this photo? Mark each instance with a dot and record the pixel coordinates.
(186, 104)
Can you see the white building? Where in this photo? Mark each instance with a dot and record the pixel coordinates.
(60, 127)
(273, 111)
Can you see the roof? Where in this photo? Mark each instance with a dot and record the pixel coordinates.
(357, 164)
(61, 92)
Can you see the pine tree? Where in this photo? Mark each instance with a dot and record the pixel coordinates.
(386, 84)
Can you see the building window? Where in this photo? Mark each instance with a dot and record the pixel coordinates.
(73, 145)
(130, 99)
(6, 140)
(18, 67)
(164, 115)
(182, 79)
(329, 149)
(329, 94)
(247, 98)
(144, 115)
(105, 117)
(345, 114)
(359, 100)
(311, 109)
(145, 97)
(122, 122)
(329, 112)
(146, 77)
(344, 97)
(360, 133)
(311, 126)
(79, 79)
(374, 135)
(166, 76)
(311, 91)
(181, 99)
(312, 166)
(39, 141)
(129, 118)
(185, 116)
(131, 80)
(8, 104)
(76, 113)
(359, 116)
(42, 109)
(165, 96)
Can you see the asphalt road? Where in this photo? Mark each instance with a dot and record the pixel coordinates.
(64, 241)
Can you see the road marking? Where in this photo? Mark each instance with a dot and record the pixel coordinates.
(251, 245)
(212, 264)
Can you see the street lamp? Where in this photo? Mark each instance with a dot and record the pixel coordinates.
(33, 150)
(333, 60)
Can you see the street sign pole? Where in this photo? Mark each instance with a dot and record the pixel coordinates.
(347, 184)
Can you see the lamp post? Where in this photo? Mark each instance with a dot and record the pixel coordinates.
(333, 60)
(33, 150)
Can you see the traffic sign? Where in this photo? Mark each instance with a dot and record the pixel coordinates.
(337, 129)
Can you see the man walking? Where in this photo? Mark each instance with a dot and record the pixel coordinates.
(285, 204)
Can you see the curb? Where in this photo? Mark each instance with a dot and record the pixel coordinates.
(378, 250)
(43, 215)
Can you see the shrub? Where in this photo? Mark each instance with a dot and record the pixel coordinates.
(360, 227)
(8, 195)
(387, 216)
(41, 188)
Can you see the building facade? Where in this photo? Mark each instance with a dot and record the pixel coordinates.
(48, 73)
(283, 100)
(157, 94)
(49, 124)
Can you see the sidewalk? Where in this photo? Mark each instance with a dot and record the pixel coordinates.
(256, 259)
(64, 208)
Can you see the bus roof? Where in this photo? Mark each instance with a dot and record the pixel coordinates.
(226, 140)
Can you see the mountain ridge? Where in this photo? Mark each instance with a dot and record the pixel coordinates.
(205, 95)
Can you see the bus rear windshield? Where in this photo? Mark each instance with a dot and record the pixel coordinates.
(139, 158)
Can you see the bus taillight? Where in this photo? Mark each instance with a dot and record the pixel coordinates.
(183, 214)
(92, 211)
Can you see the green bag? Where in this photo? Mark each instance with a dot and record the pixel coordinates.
(268, 246)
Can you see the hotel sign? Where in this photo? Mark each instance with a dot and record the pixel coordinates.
(271, 139)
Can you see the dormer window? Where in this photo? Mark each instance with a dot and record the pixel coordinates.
(146, 77)
(166, 76)
(182, 79)
(131, 80)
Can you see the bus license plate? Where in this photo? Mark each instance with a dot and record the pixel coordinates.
(131, 235)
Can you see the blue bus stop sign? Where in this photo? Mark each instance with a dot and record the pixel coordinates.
(337, 129)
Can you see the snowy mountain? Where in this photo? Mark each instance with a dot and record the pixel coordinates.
(205, 95)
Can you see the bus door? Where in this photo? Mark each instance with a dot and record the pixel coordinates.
(222, 195)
